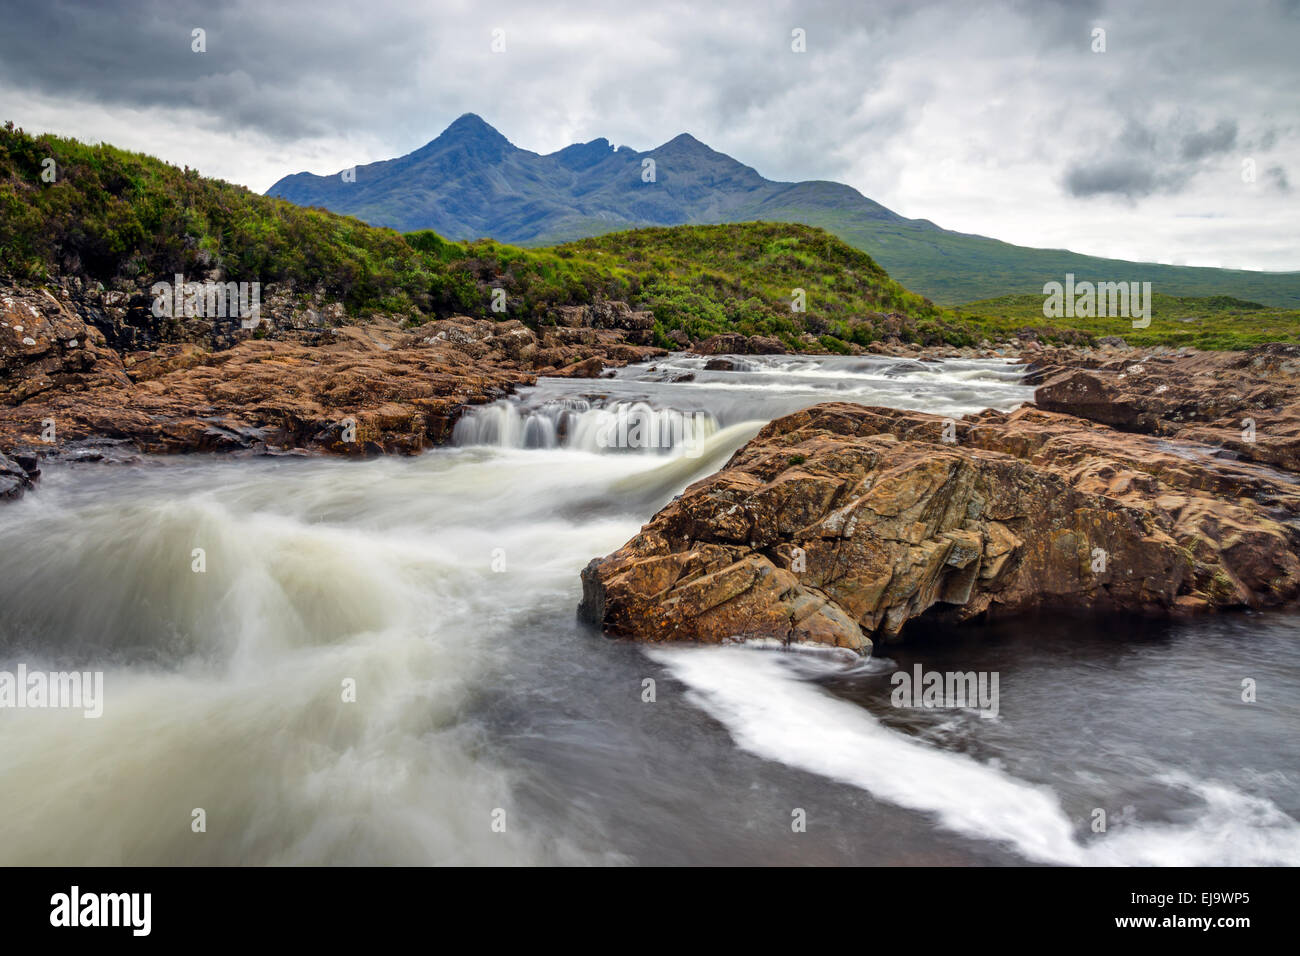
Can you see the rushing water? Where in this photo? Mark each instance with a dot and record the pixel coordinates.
(445, 587)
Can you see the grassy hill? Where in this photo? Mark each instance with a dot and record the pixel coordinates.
(127, 220)
(952, 267)
(1211, 322)
(743, 278)
(471, 182)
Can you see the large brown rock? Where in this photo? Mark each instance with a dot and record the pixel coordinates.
(1247, 402)
(294, 384)
(841, 523)
(46, 346)
(733, 343)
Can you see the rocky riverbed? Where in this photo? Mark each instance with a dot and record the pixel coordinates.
(1156, 481)
(1161, 483)
(444, 583)
(80, 369)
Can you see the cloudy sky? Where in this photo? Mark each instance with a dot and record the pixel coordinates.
(995, 118)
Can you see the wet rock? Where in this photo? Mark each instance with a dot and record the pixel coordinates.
(1246, 401)
(18, 474)
(733, 343)
(841, 523)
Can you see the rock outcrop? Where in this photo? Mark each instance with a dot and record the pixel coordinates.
(17, 474)
(70, 374)
(45, 345)
(637, 327)
(1247, 402)
(733, 343)
(840, 523)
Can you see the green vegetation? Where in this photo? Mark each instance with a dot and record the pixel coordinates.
(1213, 322)
(744, 277)
(122, 218)
(952, 267)
(127, 220)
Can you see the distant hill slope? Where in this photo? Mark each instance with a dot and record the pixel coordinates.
(127, 220)
(472, 182)
(1213, 322)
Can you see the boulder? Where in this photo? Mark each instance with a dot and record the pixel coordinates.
(841, 523)
(17, 475)
(733, 343)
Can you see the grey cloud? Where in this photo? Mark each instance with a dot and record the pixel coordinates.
(1277, 176)
(887, 91)
(1199, 145)
(1137, 137)
(297, 74)
(1142, 161)
(1116, 177)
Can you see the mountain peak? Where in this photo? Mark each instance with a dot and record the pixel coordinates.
(470, 125)
(470, 133)
(584, 155)
(685, 141)
(472, 182)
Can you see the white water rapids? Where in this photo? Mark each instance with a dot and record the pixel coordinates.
(444, 588)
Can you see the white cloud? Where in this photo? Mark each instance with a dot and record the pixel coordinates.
(972, 116)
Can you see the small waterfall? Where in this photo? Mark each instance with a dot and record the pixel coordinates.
(579, 425)
(505, 425)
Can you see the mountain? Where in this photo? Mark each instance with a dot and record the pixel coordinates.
(119, 222)
(472, 182)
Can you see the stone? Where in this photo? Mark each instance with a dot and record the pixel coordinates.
(841, 523)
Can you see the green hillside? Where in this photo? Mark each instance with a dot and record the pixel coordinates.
(952, 267)
(743, 277)
(1213, 322)
(127, 220)
(471, 182)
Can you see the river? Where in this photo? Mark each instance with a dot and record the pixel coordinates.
(490, 727)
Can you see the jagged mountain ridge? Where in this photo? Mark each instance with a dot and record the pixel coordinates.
(472, 182)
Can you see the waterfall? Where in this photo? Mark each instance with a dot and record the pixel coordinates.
(579, 424)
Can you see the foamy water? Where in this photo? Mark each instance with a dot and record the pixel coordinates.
(774, 712)
(443, 588)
